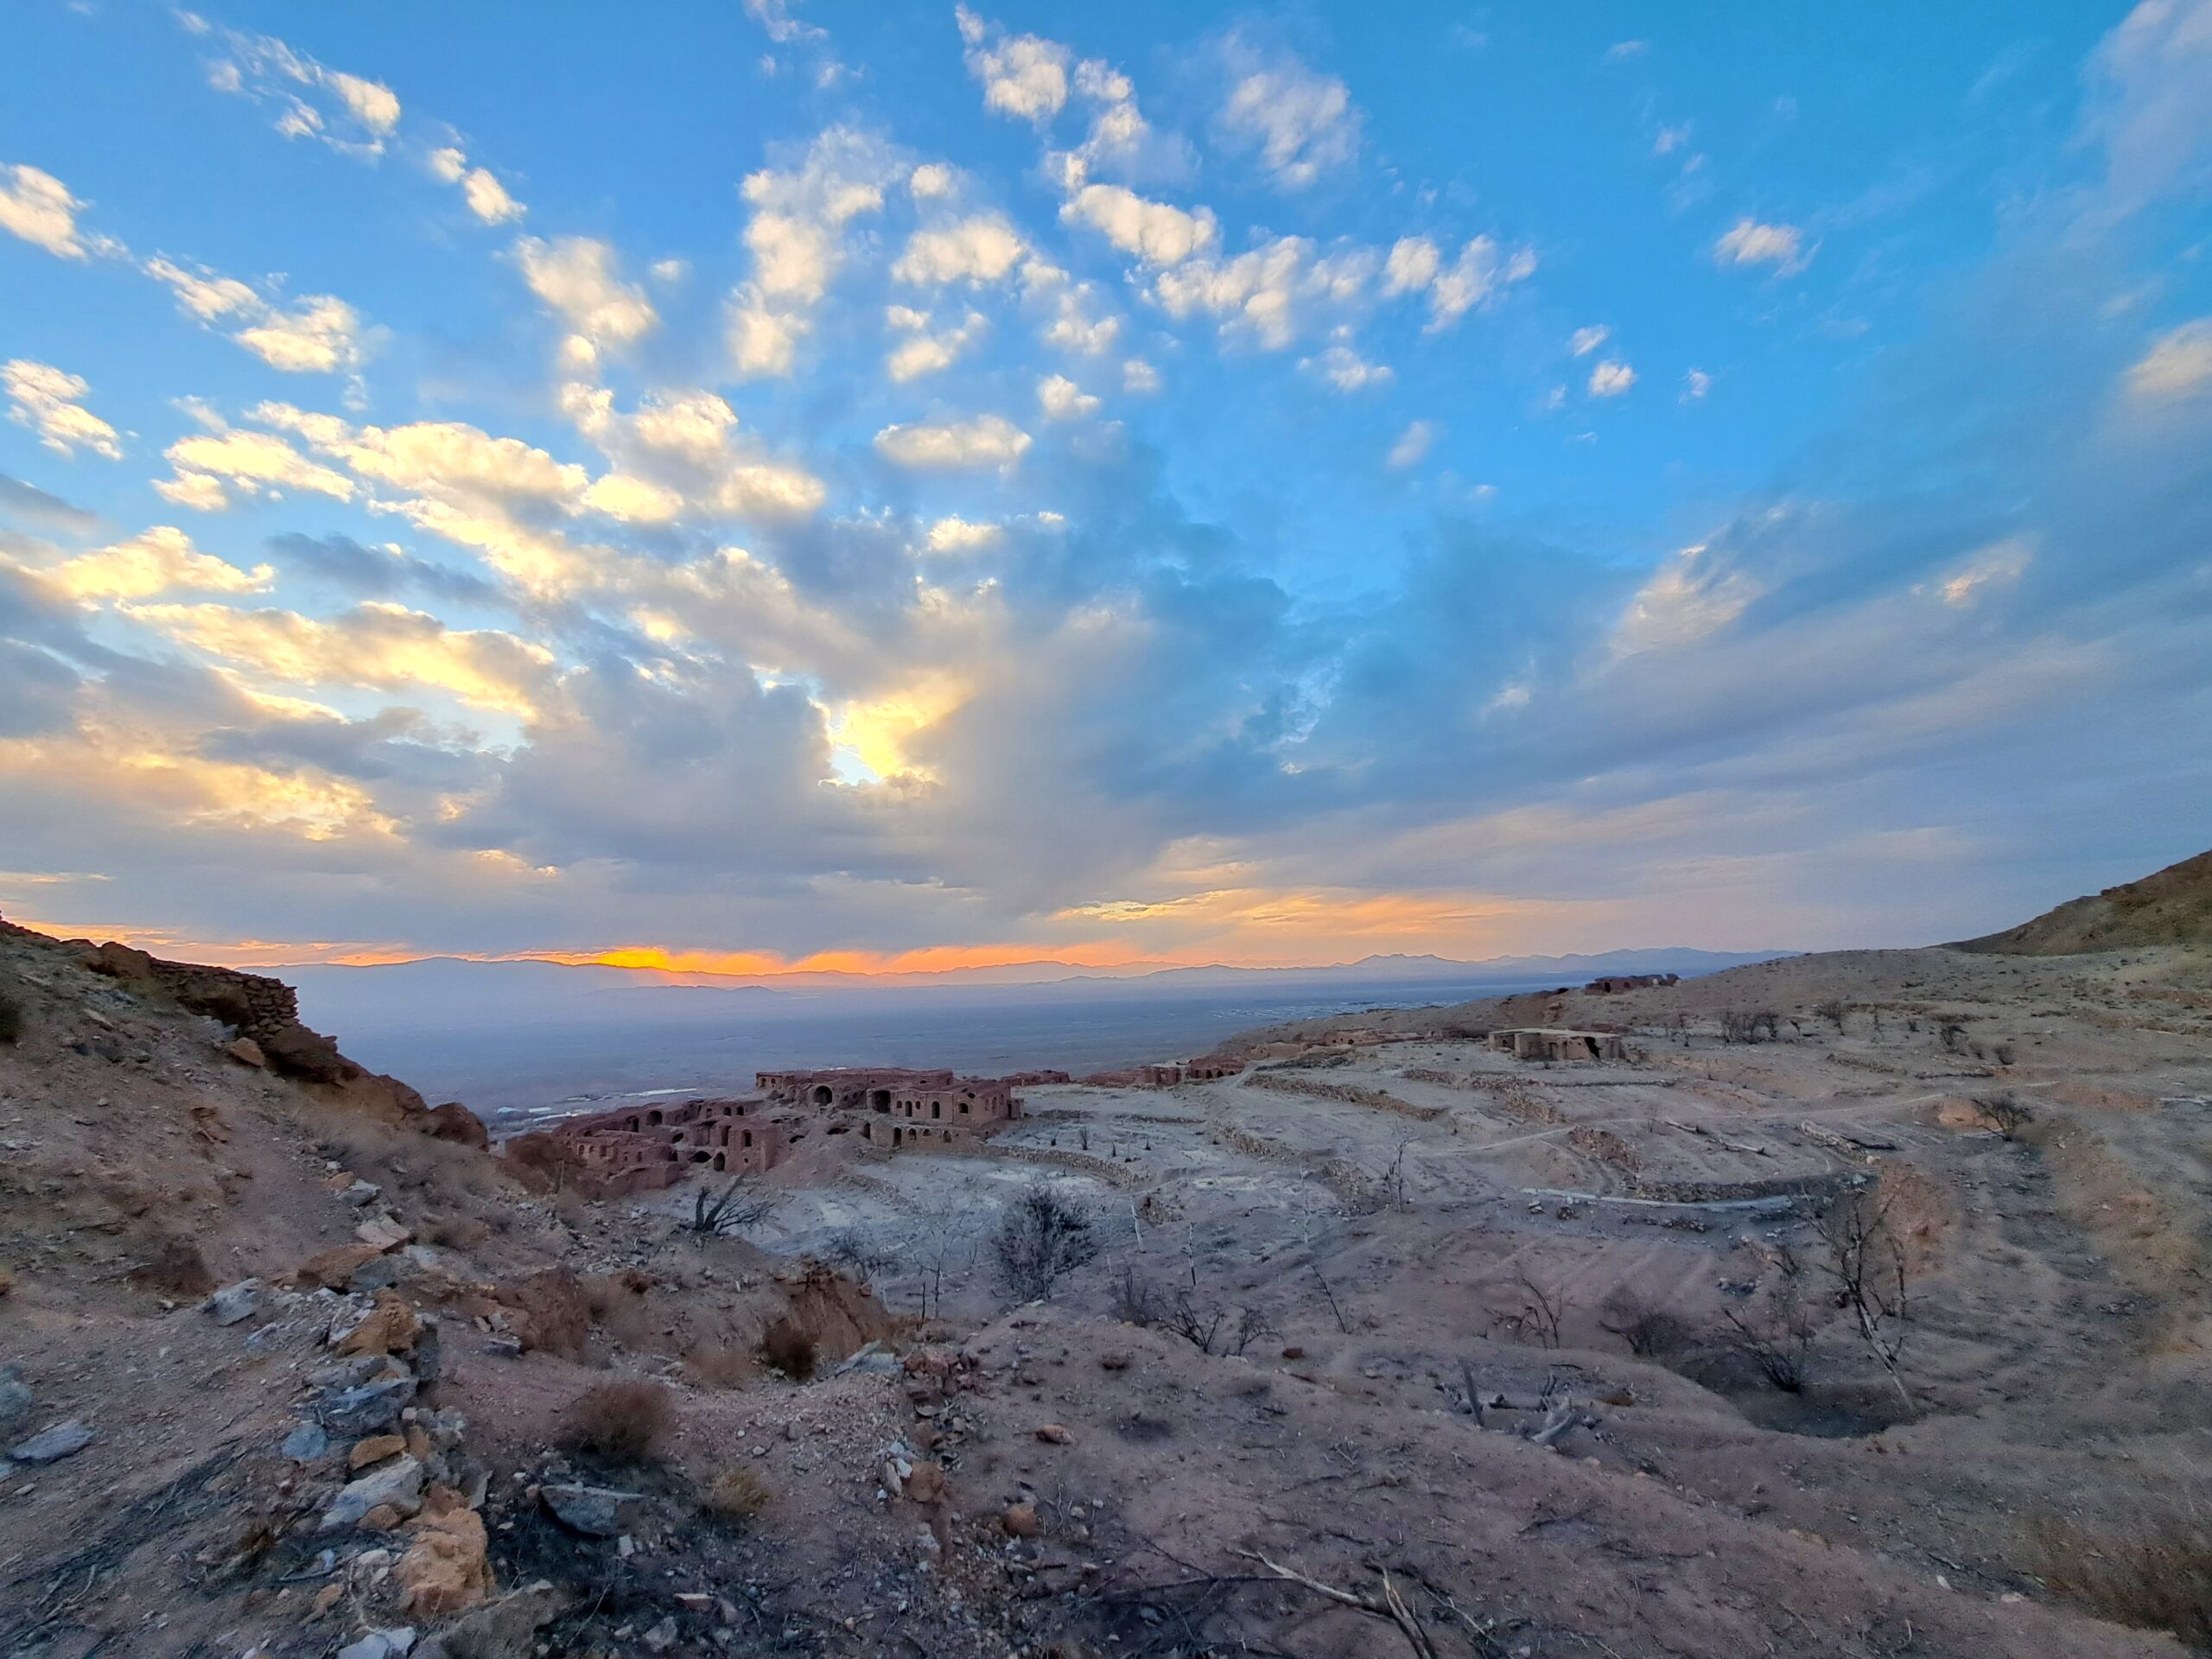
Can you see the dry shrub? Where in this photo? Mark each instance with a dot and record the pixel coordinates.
(458, 1232)
(786, 1348)
(735, 1495)
(11, 1017)
(173, 1265)
(721, 1368)
(2157, 1575)
(621, 1421)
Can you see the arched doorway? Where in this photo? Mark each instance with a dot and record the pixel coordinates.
(895, 1133)
(880, 1099)
(822, 1096)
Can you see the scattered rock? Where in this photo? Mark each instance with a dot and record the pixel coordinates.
(498, 1629)
(662, 1637)
(366, 1408)
(307, 1444)
(360, 1194)
(444, 1570)
(52, 1445)
(1021, 1521)
(375, 1449)
(389, 1328)
(235, 1302)
(15, 1395)
(1054, 1434)
(927, 1483)
(381, 1644)
(384, 1233)
(335, 1268)
(596, 1511)
(397, 1486)
(247, 1052)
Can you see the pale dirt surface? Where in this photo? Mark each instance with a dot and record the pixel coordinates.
(1376, 1209)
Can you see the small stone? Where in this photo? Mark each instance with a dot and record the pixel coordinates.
(15, 1395)
(505, 1346)
(397, 1485)
(383, 1518)
(1020, 1521)
(377, 1273)
(326, 1598)
(382, 1232)
(381, 1644)
(596, 1511)
(662, 1637)
(361, 1193)
(247, 1052)
(927, 1483)
(367, 1408)
(52, 1445)
(235, 1302)
(444, 1570)
(374, 1450)
(335, 1266)
(1114, 1361)
(1054, 1434)
(307, 1443)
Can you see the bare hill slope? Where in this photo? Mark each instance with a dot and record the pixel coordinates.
(2173, 906)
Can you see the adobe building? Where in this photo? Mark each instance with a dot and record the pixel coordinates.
(643, 1149)
(1613, 984)
(848, 1087)
(1550, 1043)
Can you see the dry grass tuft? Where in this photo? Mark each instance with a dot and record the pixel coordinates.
(720, 1368)
(784, 1347)
(622, 1421)
(735, 1495)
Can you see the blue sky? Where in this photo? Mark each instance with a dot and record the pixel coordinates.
(895, 486)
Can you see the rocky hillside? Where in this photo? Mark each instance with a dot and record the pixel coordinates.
(2173, 906)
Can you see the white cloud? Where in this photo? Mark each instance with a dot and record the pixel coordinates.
(795, 238)
(1256, 291)
(952, 536)
(577, 277)
(927, 352)
(1684, 601)
(679, 452)
(2178, 365)
(1621, 51)
(1747, 242)
(775, 18)
(1137, 375)
(1073, 328)
(1344, 369)
(1611, 379)
(265, 69)
(1412, 266)
(258, 463)
(1995, 565)
(987, 441)
(930, 182)
(1153, 231)
(982, 249)
(1119, 136)
(1063, 400)
(1023, 75)
(195, 490)
(50, 402)
(1478, 275)
(633, 500)
(38, 207)
(1695, 383)
(1587, 340)
(670, 270)
(1302, 124)
(1413, 444)
(159, 560)
(319, 335)
(486, 197)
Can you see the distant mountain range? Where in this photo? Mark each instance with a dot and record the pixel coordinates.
(451, 990)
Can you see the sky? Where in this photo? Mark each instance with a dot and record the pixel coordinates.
(771, 487)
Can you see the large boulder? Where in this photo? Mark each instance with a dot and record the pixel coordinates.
(455, 1121)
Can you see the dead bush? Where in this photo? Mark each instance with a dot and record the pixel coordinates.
(737, 1206)
(1651, 1332)
(735, 1496)
(721, 1368)
(1539, 1312)
(623, 1421)
(784, 1347)
(172, 1265)
(1042, 1238)
(1210, 1327)
(1750, 1025)
(11, 1017)
(1776, 1334)
(2157, 1575)
(2005, 1113)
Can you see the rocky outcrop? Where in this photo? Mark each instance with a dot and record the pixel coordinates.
(264, 1015)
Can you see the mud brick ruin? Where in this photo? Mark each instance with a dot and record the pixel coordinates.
(1546, 1043)
(644, 1147)
(1613, 984)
